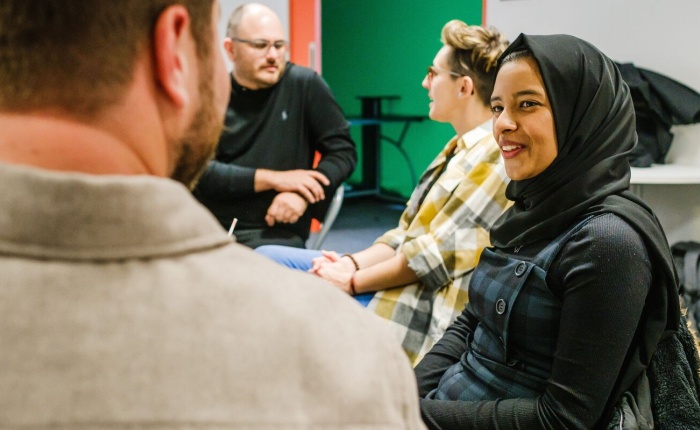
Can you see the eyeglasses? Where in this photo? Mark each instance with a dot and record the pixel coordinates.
(432, 71)
(262, 44)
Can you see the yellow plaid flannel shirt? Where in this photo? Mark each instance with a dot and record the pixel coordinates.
(443, 239)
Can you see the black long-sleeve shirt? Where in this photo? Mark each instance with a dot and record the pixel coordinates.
(602, 277)
(277, 128)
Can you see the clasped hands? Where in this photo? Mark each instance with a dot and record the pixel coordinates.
(333, 268)
(297, 189)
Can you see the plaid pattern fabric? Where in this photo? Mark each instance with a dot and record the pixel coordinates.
(510, 352)
(442, 238)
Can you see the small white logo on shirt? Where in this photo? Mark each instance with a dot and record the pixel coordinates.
(284, 115)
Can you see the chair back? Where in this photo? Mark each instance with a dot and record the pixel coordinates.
(329, 219)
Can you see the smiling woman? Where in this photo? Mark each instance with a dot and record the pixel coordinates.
(523, 122)
(576, 256)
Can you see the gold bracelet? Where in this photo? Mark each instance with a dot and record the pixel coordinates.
(357, 266)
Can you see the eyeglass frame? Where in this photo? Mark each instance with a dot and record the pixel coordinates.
(432, 72)
(256, 44)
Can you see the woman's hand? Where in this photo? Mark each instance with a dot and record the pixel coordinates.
(334, 269)
(326, 257)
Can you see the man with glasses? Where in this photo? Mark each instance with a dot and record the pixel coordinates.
(279, 115)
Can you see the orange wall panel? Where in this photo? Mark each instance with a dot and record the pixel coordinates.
(304, 29)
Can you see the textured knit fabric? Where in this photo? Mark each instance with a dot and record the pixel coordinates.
(675, 381)
(443, 238)
(123, 305)
(276, 128)
(591, 276)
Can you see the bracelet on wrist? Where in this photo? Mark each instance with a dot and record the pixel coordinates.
(354, 262)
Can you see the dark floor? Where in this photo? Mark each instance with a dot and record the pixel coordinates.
(360, 221)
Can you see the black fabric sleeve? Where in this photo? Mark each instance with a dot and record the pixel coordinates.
(446, 352)
(224, 179)
(602, 275)
(329, 131)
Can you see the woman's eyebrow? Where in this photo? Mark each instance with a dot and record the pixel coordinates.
(520, 94)
(528, 93)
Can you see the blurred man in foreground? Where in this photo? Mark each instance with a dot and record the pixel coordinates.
(123, 304)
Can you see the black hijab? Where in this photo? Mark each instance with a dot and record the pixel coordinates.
(595, 129)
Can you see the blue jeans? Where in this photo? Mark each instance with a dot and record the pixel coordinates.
(300, 259)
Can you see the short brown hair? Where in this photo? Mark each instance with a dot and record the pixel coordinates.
(475, 53)
(79, 55)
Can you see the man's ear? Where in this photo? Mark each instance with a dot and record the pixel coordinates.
(229, 47)
(173, 50)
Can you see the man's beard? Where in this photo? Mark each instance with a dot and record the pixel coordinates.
(198, 145)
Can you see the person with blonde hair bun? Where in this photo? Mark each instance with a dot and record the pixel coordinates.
(420, 269)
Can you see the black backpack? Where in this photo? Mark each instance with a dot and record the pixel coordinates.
(686, 257)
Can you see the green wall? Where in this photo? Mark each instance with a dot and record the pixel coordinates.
(383, 47)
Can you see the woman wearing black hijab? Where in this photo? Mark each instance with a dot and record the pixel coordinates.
(568, 306)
